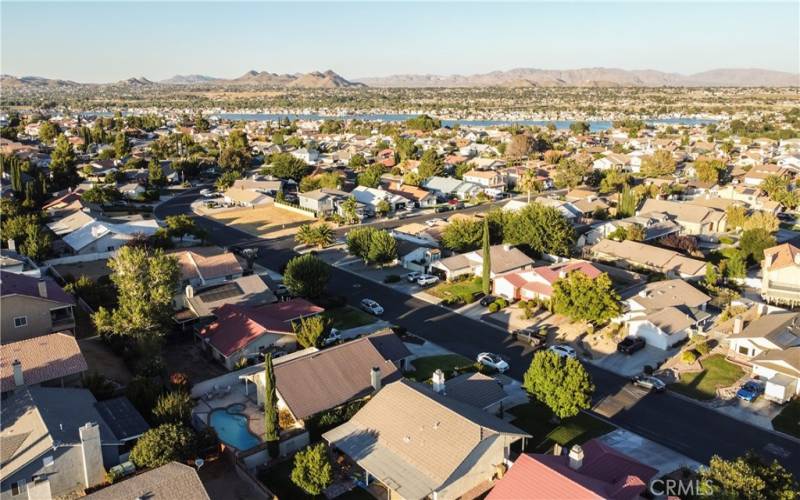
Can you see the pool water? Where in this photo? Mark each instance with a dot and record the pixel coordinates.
(231, 427)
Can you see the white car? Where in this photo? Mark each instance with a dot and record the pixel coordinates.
(332, 337)
(208, 193)
(433, 222)
(412, 276)
(427, 279)
(492, 361)
(371, 307)
(564, 351)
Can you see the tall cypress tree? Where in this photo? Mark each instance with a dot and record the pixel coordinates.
(487, 258)
(271, 430)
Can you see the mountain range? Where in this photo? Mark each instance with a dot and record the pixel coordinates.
(520, 78)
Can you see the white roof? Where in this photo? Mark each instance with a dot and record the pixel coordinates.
(95, 230)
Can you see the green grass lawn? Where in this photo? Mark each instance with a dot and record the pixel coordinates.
(717, 372)
(447, 362)
(788, 420)
(346, 317)
(535, 418)
(463, 288)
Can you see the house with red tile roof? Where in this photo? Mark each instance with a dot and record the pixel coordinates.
(240, 331)
(593, 470)
(30, 307)
(537, 283)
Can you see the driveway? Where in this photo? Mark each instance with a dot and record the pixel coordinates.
(630, 365)
(647, 452)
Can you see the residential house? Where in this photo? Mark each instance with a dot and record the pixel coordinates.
(48, 359)
(202, 267)
(56, 443)
(449, 187)
(537, 283)
(131, 190)
(245, 291)
(475, 389)
(664, 313)
(71, 222)
(101, 236)
(241, 332)
(421, 444)
(30, 307)
(13, 262)
(780, 271)
(306, 154)
(655, 225)
(421, 234)
(756, 175)
(491, 181)
(371, 198)
(638, 256)
(322, 201)
(420, 259)
(504, 259)
(694, 219)
(612, 160)
(419, 196)
(590, 471)
(168, 482)
(567, 209)
(386, 158)
(246, 197)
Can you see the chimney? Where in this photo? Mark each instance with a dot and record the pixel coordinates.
(558, 450)
(42, 288)
(12, 245)
(737, 325)
(375, 378)
(19, 380)
(575, 457)
(91, 452)
(189, 291)
(438, 381)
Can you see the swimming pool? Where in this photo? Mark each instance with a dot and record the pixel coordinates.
(231, 427)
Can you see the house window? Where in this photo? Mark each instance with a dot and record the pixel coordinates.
(744, 350)
(20, 321)
(18, 487)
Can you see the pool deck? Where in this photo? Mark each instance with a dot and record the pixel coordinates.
(237, 395)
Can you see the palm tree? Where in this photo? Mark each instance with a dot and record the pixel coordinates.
(325, 235)
(306, 235)
(320, 235)
(529, 183)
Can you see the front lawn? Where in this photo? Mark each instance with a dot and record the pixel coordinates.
(424, 367)
(343, 318)
(461, 291)
(535, 419)
(717, 372)
(788, 420)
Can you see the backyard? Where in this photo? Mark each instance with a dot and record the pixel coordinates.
(536, 419)
(788, 420)
(424, 367)
(343, 318)
(717, 372)
(463, 291)
(260, 221)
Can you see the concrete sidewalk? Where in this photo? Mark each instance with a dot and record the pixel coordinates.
(648, 452)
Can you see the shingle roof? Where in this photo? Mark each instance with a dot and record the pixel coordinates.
(782, 329)
(168, 482)
(331, 377)
(124, 420)
(475, 389)
(667, 293)
(43, 358)
(206, 262)
(19, 284)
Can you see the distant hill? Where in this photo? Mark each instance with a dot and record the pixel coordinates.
(188, 79)
(592, 77)
(315, 79)
(34, 81)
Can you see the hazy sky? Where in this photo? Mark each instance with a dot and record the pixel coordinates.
(108, 41)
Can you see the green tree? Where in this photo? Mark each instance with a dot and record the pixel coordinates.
(582, 298)
(306, 276)
(349, 210)
(101, 195)
(47, 131)
(748, 477)
(357, 161)
(146, 280)
(736, 216)
(174, 408)
(487, 259)
(227, 179)
(519, 146)
(658, 164)
(383, 207)
(579, 128)
(543, 229)
(359, 240)
(627, 202)
(569, 173)
(179, 226)
(319, 235)
(462, 235)
(309, 330)
(762, 220)
(162, 445)
(330, 180)
(286, 166)
(735, 265)
(754, 242)
(528, 183)
(635, 232)
(562, 384)
(232, 159)
(382, 248)
(36, 243)
(430, 165)
(63, 170)
(121, 146)
(709, 170)
(312, 469)
(155, 174)
(271, 428)
(712, 275)
(371, 177)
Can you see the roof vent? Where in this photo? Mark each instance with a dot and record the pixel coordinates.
(407, 439)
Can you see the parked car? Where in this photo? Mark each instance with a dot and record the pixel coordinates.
(750, 391)
(488, 299)
(649, 382)
(630, 345)
(332, 337)
(208, 193)
(564, 351)
(412, 276)
(371, 307)
(434, 221)
(492, 361)
(530, 336)
(427, 280)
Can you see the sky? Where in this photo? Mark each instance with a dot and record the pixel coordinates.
(110, 41)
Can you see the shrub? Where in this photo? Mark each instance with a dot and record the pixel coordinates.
(726, 240)
(494, 307)
(162, 445)
(689, 356)
(703, 348)
(173, 407)
(501, 302)
(312, 469)
(392, 278)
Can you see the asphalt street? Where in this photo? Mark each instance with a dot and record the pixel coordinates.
(686, 427)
